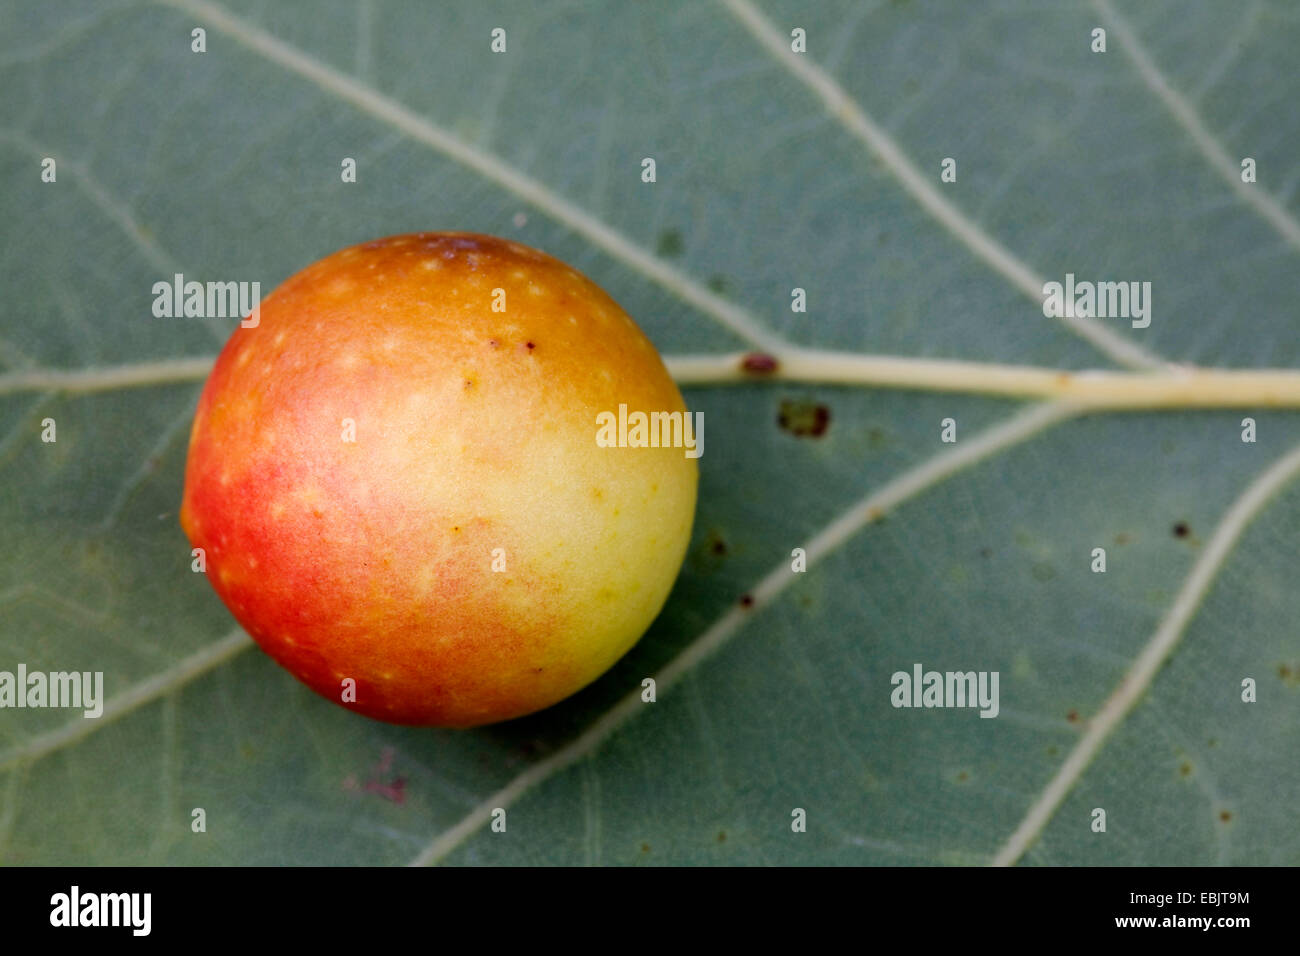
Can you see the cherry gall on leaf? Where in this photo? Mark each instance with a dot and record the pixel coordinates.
(396, 480)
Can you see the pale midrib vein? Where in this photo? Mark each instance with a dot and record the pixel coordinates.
(871, 508)
(1252, 194)
(422, 130)
(843, 107)
(1173, 388)
(87, 380)
(1139, 676)
(115, 708)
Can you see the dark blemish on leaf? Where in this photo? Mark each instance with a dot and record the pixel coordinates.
(805, 600)
(1181, 530)
(532, 748)
(747, 600)
(1052, 751)
(1290, 674)
(715, 543)
(722, 836)
(530, 346)
(1225, 815)
(1072, 716)
(670, 243)
(538, 670)
(493, 343)
(1185, 769)
(1212, 742)
(718, 283)
(759, 363)
(394, 792)
(986, 552)
(963, 777)
(804, 419)
(645, 847)
(1122, 538)
(469, 383)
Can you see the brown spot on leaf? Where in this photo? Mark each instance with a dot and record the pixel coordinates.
(804, 419)
(670, 243)
(759, 363)
(722, 836)
(394, 792)
(1072, 716)
(1225, 815)
(747, 600)
(1181, 530)
(716, 544)
(1185, 770)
